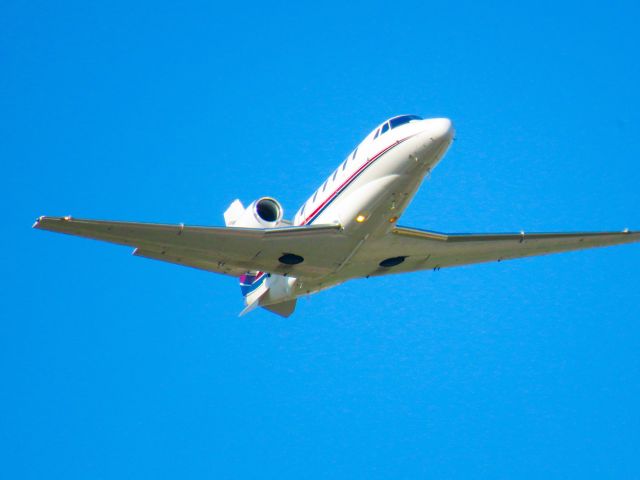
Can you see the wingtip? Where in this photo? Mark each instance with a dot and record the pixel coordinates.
(42, 218)
(634, 234)
(36, 224)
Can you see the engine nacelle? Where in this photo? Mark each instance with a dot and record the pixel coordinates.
(266, 212)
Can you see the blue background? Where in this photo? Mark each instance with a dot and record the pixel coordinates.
(118, 367)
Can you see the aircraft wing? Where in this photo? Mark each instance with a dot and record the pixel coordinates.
(227, 250)
(427, 250)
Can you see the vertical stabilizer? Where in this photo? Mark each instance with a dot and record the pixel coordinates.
(253, 286)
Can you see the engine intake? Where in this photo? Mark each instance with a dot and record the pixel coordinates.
(266, 212)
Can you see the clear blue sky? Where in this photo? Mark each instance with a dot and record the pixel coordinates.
(118, 367)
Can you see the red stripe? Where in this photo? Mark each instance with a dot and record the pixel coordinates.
(362, 167)
(365, 164)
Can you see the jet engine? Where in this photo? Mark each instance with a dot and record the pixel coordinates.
(266, 212)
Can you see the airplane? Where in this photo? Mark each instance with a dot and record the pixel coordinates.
(346, 229)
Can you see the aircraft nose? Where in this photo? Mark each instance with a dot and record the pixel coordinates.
(439, 128)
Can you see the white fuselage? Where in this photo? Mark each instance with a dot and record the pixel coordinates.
(345, 230)
(367, 194)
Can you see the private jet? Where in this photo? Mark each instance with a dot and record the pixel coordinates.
(346, 229)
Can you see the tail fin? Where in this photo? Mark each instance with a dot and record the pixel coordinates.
(253, 286)
(252, 283)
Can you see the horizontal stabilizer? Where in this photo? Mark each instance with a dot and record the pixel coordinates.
(284, 309)
(249, 308)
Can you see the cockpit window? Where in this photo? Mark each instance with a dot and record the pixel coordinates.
(385, 127)
(401, 120)
(376, 135)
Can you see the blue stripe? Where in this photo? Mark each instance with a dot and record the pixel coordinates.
(337, 193)
(249, 283)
